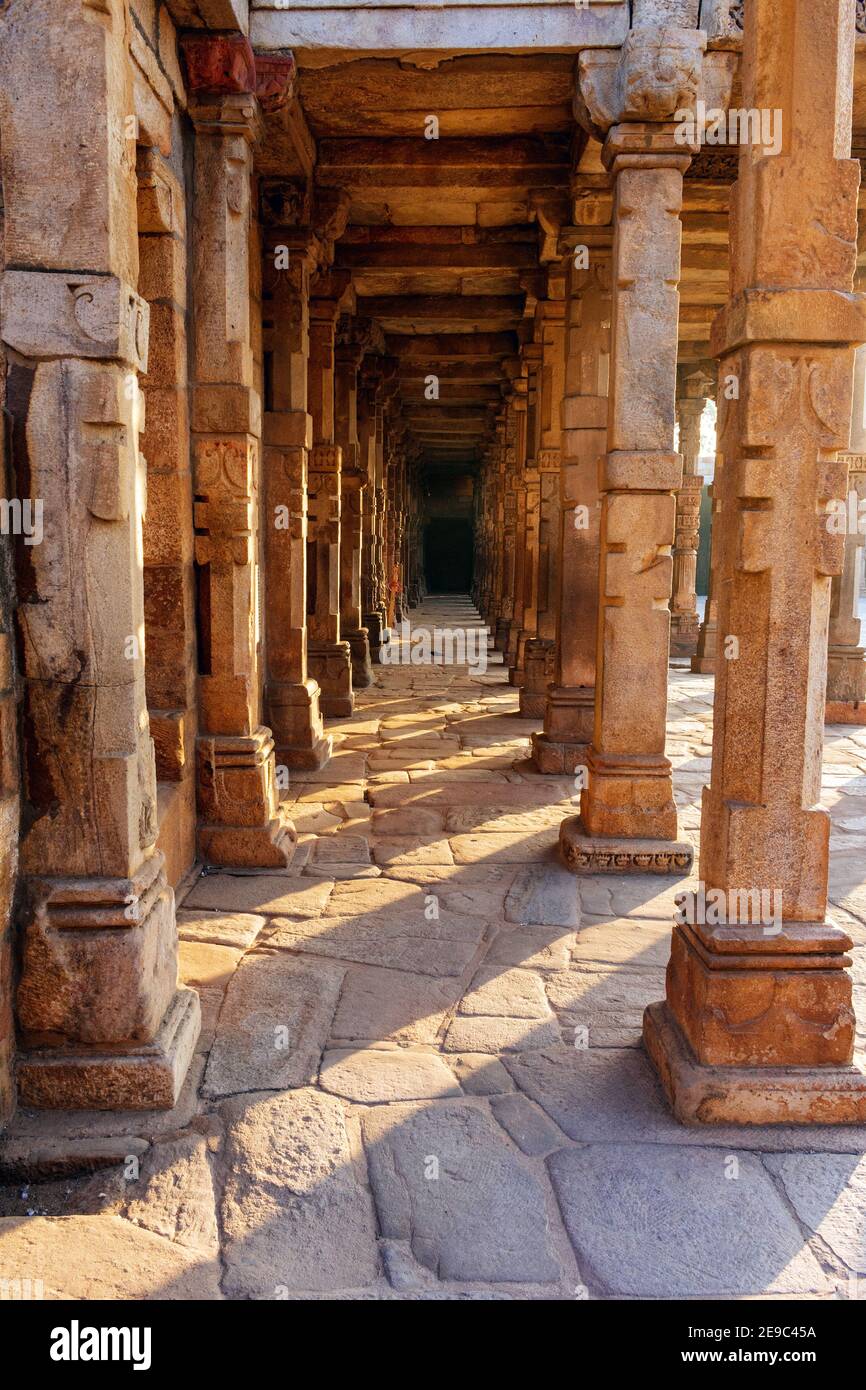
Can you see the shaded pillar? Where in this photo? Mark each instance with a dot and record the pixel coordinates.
(353, 482)
(846, 667)
(540, 656)
(101, 1021)
(563, 746)
(291, 694)
(240, 819)
(691, 399)
(758, 1025)
(330, 658)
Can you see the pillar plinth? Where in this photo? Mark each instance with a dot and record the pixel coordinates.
(758, 1025)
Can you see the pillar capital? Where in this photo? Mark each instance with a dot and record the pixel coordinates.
(655, 74)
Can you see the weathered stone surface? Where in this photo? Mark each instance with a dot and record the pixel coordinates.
(374, 1076)
(236, 929)
(104, 1257)
(405, 941)
(534, 948)
(496, 848)
(261, 893)
(608, 1004)
(482, 1219)
(528, 1126)
(505, 993)
(480, 1074)
(174, 1195)
(828, 1194)
(273, 1026)
(392, 1005)
(295, 1212)
(656, 1229)
(544, 895)
(481, 1034)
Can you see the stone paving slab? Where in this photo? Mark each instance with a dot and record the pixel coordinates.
(260, 894)
(295, 1214)
(373, 1076)
(407, 941)
(393, 1005)
(663, 1222)
(273, 1025)
(483, 1216)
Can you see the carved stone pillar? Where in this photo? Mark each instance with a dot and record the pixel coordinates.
(370, 429)
(518, 408)
(529, 506)
(628, 818)
(240, 821)
(329, 656)
(704, 658)
(568, 718)
(846, 667)
(540, 656)
(102, 1023)
(509, 529)
(353, 482)
(691, 399)
(758, 1026)
(291, 694)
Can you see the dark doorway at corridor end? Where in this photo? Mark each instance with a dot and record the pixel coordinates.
(448, 556)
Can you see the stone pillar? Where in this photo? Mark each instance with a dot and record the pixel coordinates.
(526, 596)
(704, 658)
(846, 668)
(102, 1023)
(628, 819)
(691, 400)
(329, 656)
(240, 820)
(758, 1025)
(291, 694)
(518, 409)
(353, 483)
(563, 746)
(540, 657)
(509, 530)
(372, 442)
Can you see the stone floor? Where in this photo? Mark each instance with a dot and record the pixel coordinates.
(420, 1072)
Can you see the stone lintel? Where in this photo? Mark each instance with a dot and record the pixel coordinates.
(47, 314)
(725, 1095)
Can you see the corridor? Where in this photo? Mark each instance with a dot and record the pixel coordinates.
(420, 1074)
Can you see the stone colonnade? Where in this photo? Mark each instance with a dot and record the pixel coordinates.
(233, 524)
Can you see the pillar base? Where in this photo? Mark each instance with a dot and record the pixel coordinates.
(629, 796)
(242, 825)
(378, 632)
(331, 664)
(555, 756)
(607, 854)
(564, 746)
(845, 712)
(704, 659)
(147, 1076)
(500, 637)
(296, 724)
(362, 670)
(539, 662)
(685, 630)
(749, 1095)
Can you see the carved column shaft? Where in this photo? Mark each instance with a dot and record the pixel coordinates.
(684, 608)
(101, 1022)
(569, 713)
(758, 1024)
(846, 659)
(329, 656)
(291, 694)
